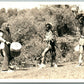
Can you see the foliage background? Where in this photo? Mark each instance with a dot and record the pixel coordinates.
(27, 27)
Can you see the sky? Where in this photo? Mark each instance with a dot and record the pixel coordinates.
(24, 5)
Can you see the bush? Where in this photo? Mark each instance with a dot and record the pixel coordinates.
(28, 29)
(12, 12)
(2, 20)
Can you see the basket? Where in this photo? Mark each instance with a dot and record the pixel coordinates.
(15, 46)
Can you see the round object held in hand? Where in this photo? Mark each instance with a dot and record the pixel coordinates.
(15, 46)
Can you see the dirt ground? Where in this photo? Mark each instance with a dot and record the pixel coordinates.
(63, 71)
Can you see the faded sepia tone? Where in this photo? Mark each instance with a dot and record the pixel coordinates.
(27, 26)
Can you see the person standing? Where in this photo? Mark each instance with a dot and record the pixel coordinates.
(5, 52)
(50, 39)
(81, 40)
(81, 46)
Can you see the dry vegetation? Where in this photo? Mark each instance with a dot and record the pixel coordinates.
(27, 27)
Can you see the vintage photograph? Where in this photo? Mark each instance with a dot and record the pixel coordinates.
(41, 40)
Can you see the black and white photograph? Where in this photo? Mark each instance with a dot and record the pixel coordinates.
(41, 40)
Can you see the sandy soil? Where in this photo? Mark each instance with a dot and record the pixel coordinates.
(63, 71)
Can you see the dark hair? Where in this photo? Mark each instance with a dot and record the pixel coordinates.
(7, 29)
(48, 26)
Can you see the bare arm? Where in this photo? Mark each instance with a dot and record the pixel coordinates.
(2, 40)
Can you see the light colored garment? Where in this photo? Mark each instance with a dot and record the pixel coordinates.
(81, 41)
(49, 36)
(2, 40)
(81, 44)
(77, 47)
(2, 45)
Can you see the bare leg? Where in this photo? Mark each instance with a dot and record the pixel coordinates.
(81, 55)
(44, 53)
(53, 59)
(80, 59)
(43, 57)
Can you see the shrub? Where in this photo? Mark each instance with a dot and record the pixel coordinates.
(28, 29)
